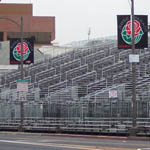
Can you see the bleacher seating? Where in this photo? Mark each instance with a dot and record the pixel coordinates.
(86, 74)
(45, 74)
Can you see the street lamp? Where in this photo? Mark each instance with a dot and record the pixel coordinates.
(22, 74)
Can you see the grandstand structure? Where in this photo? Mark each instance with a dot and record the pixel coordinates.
(70, 91)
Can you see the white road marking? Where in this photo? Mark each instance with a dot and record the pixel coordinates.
(143, 149)
(96, 149)
(50, 144)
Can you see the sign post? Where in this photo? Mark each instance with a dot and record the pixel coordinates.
(133, 34)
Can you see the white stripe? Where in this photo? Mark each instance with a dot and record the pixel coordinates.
(54, 145)
(143, 148)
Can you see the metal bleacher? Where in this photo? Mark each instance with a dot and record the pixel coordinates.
(70, 91)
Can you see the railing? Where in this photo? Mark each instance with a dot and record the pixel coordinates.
(92, 125)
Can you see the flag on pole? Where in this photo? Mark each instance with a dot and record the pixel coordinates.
(89, 32)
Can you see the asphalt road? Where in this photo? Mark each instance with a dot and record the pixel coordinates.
(17, 141)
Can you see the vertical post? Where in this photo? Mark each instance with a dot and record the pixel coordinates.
(89, 33)
(21, 31)
(22, 77)
(133, 73)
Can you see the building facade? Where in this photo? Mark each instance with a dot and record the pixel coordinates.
(40, 28)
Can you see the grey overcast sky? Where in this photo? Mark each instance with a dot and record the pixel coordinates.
(75, 17)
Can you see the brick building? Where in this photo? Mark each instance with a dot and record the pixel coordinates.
(42, 29)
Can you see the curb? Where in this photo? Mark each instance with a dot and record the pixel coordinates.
(80, 136)
(100, 137)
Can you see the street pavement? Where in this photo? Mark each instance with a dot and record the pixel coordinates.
(27, 141)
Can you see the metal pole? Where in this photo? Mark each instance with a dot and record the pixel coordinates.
(89, 32)
(21, 31)
(133, 71)
(22, 77)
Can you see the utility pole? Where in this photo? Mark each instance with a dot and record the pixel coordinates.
(22, 77)
(134, 110)
(89, 33)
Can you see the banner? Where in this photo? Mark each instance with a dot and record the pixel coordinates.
(15, 51)
(125, 31)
